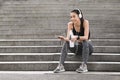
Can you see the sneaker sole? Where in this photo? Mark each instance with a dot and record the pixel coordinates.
(82, 71)
(60, 71)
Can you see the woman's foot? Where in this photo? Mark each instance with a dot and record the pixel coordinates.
(82, 68)
(59, 69)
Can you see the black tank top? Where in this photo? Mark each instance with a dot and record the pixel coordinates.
(81, 33)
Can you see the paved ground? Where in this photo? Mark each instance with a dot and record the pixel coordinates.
(58, 76)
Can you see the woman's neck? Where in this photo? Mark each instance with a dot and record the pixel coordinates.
(77, 24)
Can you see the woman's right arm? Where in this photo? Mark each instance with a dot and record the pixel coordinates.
(68, 31)
(68, 34)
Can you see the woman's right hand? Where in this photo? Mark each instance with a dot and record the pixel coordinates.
(63, 38)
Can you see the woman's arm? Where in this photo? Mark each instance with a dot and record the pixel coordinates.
(68, 34)
(86, 31)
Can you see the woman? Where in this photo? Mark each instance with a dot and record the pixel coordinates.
(80, 29)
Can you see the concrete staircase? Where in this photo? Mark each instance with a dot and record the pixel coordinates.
(29, 31)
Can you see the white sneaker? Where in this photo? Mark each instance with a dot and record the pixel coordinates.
(59, 69)
(82, 68)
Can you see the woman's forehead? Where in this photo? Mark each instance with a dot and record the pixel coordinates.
(73, 14)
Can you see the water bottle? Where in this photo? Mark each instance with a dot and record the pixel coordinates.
(71, 42)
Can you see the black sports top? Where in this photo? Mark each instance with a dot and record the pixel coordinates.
(81, 33)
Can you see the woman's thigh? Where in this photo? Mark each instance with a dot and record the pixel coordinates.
(77, 49)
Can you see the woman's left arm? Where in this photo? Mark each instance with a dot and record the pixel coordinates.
(86, 31)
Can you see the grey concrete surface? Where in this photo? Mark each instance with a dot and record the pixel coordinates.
(53, 42)
(53, 49)
(51, 65)
(45, 19)
(27, 19)
(59, 76)
(100, 57)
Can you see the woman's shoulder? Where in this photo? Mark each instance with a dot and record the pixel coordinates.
(70, 25)
(86, 21)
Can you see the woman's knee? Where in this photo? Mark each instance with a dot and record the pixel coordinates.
(85, 44)
(66, 43)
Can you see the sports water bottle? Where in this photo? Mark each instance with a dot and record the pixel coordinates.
(71, 43)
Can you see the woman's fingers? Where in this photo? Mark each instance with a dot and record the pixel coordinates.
(61, 37)
(74, 38)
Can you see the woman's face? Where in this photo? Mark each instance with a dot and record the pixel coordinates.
(74, 17)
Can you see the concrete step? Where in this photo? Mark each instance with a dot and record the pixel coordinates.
(51, 65)
(58, 25)
(49, 75)
(85, 9)
(58, 6)
(106, 42)
(29, 42)
(102, 24)
(100, 57)
(59, 18)
(107, 74)
(61, 1)
(53, 49)
(47, 36)
(32, 31)
(106, 35)
(86, 12)
(55, 36)
(12, 28)
(61, 22)
(12, 31)
(33, 3)
(6, 16)
(94, 32)
(51, 42)
(61, 6)
(60, 12)
(90, 17)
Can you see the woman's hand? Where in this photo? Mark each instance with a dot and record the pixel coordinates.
(74, 38)
(63, 38)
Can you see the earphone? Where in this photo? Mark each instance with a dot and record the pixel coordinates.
(80, 15)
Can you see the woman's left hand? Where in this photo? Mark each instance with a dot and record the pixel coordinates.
(74, 38)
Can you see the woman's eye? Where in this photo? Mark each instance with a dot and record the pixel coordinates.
(73, 16)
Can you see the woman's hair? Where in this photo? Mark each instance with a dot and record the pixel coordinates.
(80, 14)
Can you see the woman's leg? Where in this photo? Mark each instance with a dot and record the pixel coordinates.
(85, 55)
(85, 51)
(64, 52)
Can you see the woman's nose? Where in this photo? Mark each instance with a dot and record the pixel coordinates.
(71, 19)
